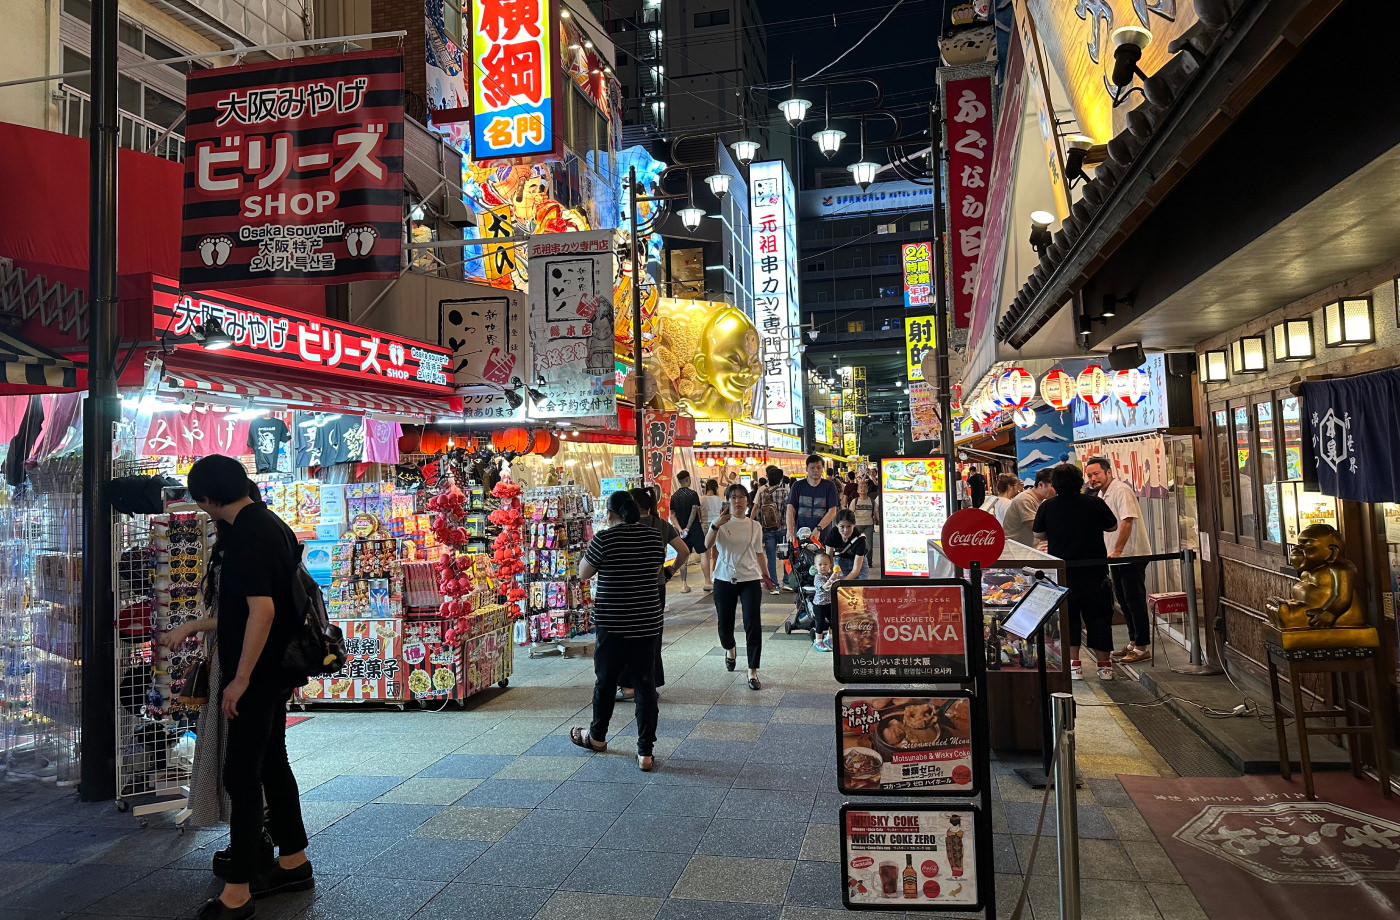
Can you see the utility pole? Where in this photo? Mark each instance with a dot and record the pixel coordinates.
(940, 282)
(100, 415)
(638, 372)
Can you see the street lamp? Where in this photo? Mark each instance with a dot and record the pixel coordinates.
(863, 171)
(719, 184)
(691, 217)
(829, 141)
(795, 110)
(745, 151)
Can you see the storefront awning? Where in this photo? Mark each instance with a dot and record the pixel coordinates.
(303, 397)
(29, 368)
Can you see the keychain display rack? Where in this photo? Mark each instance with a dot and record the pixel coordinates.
(559, 612)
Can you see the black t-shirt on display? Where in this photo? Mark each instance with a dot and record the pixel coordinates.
(341, 440)
(1074, 526)
(265, 436)
(258, 561)
(684, 501)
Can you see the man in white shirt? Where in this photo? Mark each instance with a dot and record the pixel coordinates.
(1129, 578)
(1021, 515)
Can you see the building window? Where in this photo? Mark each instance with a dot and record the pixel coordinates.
(858, 293)
(73, 62)
(891, 292)
(886, 228)
(918, 225)
(714, 18)
(887, 258)
(1268, 472)
(857, 262)
(816, 266)
(819, 297)
(1247, 468)
(855, 325)
(1224, 455)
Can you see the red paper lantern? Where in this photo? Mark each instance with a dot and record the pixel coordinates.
(552, 449)
(433, 442)
(541, 440)
(1130, 386)
(1093, 385)
(1058, 390)
(1015, 389)
(514, 439)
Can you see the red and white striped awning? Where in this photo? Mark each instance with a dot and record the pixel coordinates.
(303, 397)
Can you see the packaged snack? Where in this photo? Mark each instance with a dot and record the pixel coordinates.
(308, 503)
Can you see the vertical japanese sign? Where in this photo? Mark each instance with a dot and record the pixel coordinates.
(487, 338)
(920, 337)
(918, 274)
(514, 78)
(571, 324)
(860, 391)
(967, 107)
(659, 430)
(294, 171)
(773, 204)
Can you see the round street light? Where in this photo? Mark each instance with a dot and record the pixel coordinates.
(794, 110)
(745, 151)
(864, 173)
(829, 141)
(719, 184)
(691, 217)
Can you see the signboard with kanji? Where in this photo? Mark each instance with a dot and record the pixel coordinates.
(967, 105)
(773, 219)
(920, 337)
(486, 336)
(571, 324)
(294, 171)
(918, 274)
(373, 664)
(276, 336)
(516, 89)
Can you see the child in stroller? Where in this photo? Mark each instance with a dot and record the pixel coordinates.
(800, 562)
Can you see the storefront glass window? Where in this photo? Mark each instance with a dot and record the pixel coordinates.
(1268, 471)
(1246, 466)
(1292, 438)
(1226, 477)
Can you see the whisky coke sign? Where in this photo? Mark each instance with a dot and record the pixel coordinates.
(972, 535)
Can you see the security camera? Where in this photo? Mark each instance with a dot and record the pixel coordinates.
(1128, 45)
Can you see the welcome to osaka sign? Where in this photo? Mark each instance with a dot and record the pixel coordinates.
(294, 172)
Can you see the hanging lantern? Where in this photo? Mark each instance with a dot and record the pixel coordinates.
(551, 449)
(1016, 388)
(516, 439)
(540, 440)
(1058, 390)
(1024, 418)
(1093, 385)
(1130, 386)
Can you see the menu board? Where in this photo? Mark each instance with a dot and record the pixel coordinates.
(913, 506)
(373, 665)
(900, 632)
(909, 857)
(897, 744)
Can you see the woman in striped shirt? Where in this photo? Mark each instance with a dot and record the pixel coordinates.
(627, 616)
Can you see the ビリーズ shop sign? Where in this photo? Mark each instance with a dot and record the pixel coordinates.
(294, 171)
(273, 335)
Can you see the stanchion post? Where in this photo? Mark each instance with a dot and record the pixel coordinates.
(981, 741)
(1198, 664)
(1066, 807)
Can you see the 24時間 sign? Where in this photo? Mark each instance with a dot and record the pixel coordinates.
(294, 172)
(773, 222)
(918, 274)
(968, 105)
(512, 59)
(275, 336)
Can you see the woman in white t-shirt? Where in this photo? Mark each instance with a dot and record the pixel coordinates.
(1006, 488)
(741, 575)
(711, 506)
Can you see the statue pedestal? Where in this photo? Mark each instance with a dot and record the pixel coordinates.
(1345, 666)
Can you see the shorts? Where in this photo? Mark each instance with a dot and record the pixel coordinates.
(695, 539)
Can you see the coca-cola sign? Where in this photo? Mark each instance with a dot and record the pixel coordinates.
(972, 535)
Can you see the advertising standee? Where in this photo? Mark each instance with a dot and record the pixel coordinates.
(910, 857)
(900, 632)
(918, 741)
(915, 505)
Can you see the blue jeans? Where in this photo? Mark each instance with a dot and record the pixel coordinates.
(771, 539)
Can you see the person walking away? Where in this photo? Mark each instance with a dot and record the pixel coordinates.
(812, 502)
(646, 504)
(825, 580)
(848, 546)
(740, 576)
(770, 504)
(866, 509)
(627, 623)
(848, 489)
(1020, 515)
(977, 487)
(1129, 578)
(1072, 525)
(1006, 488)
(687, 518)
(257, 621)
(711, 506)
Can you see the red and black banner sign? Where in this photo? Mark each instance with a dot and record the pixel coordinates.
(294, 172)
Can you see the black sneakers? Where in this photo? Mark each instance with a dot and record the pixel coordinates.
(281, 881)
(217, 910)
(223, 858)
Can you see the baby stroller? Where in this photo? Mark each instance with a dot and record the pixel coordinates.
(799, 561)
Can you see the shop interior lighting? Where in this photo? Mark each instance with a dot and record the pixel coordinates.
(719, 184)
(1247, 355)
(795, 110)
(1040, 230)
(1213, 367)
(1293, 340)
(745, 151)
(1348, 322)
(1076, 150)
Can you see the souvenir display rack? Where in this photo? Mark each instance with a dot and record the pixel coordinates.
(558, 526)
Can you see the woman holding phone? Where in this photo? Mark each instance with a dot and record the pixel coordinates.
(741, 575)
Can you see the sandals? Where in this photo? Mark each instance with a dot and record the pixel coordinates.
(583, 739)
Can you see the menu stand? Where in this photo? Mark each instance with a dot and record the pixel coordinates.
(1029, 618)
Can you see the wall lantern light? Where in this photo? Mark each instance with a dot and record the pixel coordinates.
(1247, 355)
(1213, 367)
(1293, 340)
(1348, 322)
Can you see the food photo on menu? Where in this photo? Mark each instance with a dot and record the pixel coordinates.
(899, 743)
(909, 856)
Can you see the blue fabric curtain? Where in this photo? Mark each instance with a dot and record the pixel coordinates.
(1351, 444)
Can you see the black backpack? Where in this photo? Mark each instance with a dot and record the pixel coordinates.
(318, 647)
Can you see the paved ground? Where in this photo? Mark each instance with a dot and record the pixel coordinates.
(491, 814)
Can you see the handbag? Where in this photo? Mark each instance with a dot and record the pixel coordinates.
(195, 691)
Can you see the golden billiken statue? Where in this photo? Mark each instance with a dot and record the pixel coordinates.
(728, 366)
(1324, 609)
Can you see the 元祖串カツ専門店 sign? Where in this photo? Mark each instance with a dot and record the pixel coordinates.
(773, 222)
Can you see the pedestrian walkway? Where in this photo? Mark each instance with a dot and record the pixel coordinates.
(491, 813)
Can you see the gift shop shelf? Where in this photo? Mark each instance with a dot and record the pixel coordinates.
(559, 605)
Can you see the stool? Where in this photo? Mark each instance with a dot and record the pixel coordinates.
(1342, 665)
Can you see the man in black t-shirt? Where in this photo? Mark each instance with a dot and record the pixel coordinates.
(1073, 525)
(257, 621)
(685, 515)
(977, 488)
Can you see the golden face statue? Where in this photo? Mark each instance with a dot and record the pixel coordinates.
(729, 360)
(1317, 546)
(1324, 609)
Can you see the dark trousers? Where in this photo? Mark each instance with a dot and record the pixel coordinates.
(821, 615)
(624, 680)
(749, 594)
(256, 770)
(1130, 587)
(1090, 609)
(612, 654)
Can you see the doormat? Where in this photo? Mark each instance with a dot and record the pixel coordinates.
(1256, 847)
(296, 720)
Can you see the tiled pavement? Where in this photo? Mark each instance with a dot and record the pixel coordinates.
(491, 814)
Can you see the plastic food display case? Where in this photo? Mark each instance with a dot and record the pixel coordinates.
(1013, 690)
